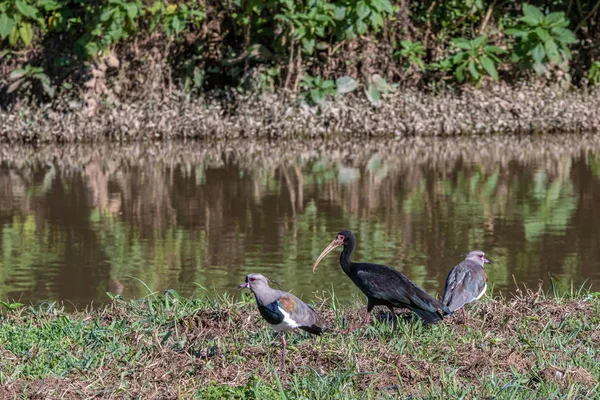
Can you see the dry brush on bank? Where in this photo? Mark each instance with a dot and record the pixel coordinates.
(501, 110)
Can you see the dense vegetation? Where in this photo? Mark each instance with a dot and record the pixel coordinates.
(113, 49)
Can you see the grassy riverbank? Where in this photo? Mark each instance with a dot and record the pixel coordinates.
(162, 346)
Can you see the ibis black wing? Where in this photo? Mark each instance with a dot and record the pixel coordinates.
(387, 284)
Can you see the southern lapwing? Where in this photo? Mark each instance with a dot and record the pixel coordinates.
(467, 282)
(284, 311)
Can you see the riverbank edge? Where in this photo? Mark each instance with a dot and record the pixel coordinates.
(497, 110)
(165, 346)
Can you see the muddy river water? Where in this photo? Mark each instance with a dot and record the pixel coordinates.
(77, 221)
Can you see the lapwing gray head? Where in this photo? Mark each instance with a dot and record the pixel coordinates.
(478, 256)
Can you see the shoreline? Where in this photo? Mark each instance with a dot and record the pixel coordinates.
(496, 111)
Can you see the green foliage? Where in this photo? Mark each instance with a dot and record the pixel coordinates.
(542, 39)
(174, 18)
(476, 58)
(18, 18)
(11, 306)
(377, 89)
(345, 84)
(26, 79)
(594, 74)
(310, 23)
(357, 17)
(316, 22)
(114, 21)
(412, 53)
(212, 44)
(317, 90)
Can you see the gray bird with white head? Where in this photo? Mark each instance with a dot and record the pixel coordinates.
(284, 311)
(466, 282)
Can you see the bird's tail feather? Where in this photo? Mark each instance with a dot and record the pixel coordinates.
(428, 317)
(314, 329)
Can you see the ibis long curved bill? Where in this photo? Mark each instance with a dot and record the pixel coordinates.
(328, 249)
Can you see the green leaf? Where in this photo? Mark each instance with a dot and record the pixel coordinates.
(480, 41)
(132, 10)
(361, 27)
(376, 19)
(6, 25)
(417, 61)
(532, 12)
(48, 89)
(489, 66)
(516, 32)
(373, 94)
(317, 96)
(345, 84)
(25, 9)
(13, 37)
(563, 35)
(26, 31)
(538, 53)
(462, 44)
(542, 34)
(387, 6)
(459, 57)
(105, 16)
(494, 50)
(460, 72)
(555, 19)
(308, 45)
(531, 21)
(328, 84)
(552, 51)
(177, 24)
(473, 70)
(339, 13)
(362, 10)
(14, 86)
(539, 68)
(566, 52)
(17, 74)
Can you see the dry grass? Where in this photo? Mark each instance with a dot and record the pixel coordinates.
(532, 346)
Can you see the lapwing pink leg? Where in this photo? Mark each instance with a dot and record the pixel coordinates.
(464, 314)
(283, 353)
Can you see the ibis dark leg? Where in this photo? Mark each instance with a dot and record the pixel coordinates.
(370, 306)
(283, 352)
(394, 318)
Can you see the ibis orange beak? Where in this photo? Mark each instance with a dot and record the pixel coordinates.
(328, 249)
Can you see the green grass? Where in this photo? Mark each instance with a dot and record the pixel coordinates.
(534, 345)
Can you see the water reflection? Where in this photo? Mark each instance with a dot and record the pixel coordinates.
(77, 221)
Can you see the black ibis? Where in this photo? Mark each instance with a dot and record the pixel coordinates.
(466, 282)
(383, 285)
(284, 311)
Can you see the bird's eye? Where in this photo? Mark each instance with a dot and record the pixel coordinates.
(341, 237)
(251, 279)
(481, 256)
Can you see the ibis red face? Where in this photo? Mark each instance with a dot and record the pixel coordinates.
(339, 241)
